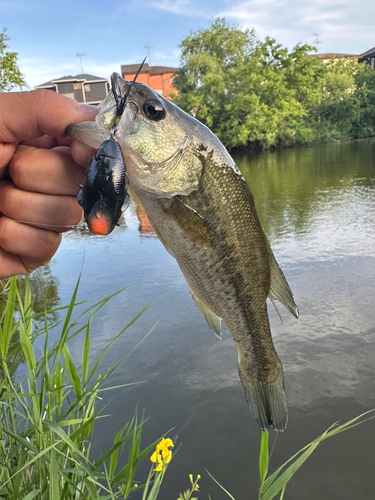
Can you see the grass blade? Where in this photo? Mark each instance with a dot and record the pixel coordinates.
(263, 456)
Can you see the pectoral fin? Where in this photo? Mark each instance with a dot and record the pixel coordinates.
(279, 288)
(192, 224)
(126, 203)
(213, 321)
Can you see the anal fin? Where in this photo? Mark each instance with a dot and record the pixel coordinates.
(279, 288)
(213, 321)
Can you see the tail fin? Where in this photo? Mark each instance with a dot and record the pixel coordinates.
(266, 400)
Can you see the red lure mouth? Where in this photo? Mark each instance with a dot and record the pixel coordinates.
(100, 223)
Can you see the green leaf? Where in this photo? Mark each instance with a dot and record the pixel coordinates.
(32, 495)
(225, 491)
(263, 456)
(72, 371)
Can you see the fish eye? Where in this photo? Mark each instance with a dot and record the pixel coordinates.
(154, 110)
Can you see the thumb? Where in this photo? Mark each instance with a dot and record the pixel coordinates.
(28, 115)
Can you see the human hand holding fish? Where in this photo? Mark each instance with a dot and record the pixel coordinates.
(38, 177)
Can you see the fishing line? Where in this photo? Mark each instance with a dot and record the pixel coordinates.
(123, 101)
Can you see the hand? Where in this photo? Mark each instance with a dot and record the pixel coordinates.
(39, 180)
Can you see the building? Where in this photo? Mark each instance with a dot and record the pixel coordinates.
(83, 88)
(331, 56)
(368, 57)
(159, 78)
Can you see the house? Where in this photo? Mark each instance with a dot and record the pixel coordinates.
(331, 56)
(83, 88)
(159, 78)
(368, 57)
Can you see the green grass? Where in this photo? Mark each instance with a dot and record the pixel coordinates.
(47, 421)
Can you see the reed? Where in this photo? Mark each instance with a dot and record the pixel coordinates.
(47, 421)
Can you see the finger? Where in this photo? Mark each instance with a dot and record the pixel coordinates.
(24, 248)
(31, 169)
(11, 265)
(28, 115)
(58, 212)
(48, 142)
(64, 141)
(82, 153)
(6, 153)
(45, 142)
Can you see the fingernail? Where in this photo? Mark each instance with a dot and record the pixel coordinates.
(88, 109)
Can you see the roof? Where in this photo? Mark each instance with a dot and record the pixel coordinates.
(153, 70)
(84, 77)
(331, 55)
(368, 53)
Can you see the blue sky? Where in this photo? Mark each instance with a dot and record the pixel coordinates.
(48, 34)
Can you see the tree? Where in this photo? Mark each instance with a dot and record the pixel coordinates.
(10, 75)
(246, 91)
(254, 93)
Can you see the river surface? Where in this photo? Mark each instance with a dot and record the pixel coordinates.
(317, 207)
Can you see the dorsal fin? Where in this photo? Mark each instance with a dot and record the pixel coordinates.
(213, 321)
(279, 288)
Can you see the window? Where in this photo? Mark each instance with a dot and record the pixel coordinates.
(166, 80)
(77, 86)
(87, 87)
(70, 94)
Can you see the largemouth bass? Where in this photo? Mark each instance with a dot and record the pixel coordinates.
(204, 214)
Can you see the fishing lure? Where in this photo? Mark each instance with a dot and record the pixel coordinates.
(104, 195)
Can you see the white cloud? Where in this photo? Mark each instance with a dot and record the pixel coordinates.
(344, 26)
(179, 7)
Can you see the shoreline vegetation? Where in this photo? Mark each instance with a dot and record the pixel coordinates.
(257, 95)
(47, 420)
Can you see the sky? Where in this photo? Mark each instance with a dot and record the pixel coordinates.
(47, 35)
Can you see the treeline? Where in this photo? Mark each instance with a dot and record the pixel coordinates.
(255, 94)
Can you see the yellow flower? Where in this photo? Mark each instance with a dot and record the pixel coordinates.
(159, 467)
(165, 444)
(166, 454)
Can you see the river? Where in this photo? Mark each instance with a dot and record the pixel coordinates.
(317, 207)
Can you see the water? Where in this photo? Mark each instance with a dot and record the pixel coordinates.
(317, 207)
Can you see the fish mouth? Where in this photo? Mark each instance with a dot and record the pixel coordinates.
(119, 85)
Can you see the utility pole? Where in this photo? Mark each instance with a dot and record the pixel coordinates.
(80, 58)
(148, 53)
(317, 35)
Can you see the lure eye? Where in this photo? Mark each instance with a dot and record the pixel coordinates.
(154, 110)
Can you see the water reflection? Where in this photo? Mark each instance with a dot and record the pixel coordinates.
(145, 229)
(44, 291)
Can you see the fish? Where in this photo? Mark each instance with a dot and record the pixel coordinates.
(104, 194)
(203, 212)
